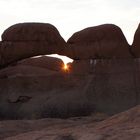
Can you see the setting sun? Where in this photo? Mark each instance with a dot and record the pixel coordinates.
(65, 67)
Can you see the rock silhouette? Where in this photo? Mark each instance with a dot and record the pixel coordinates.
(103, 80)
(50, 63)
(136, 43)
(32, 32)
(100, 42)
(26, 40)
(104, 76)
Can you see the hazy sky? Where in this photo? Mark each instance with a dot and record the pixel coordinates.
(70, 16)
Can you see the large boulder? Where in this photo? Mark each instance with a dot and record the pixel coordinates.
(50, 63)
(104, 41)
(29, 89)
(38, 66)
(32, 92)
(0, 52)
(110, 81)
(32, 32)
(136, 43)
(26, 40)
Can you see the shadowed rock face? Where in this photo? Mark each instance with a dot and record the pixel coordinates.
(39, 66)
(110, 81)
(0, 52)
(104, 41)
(32, 32)
(36, 91)
(136, 43)
(37, 87)
(50, 63)
(26, 40)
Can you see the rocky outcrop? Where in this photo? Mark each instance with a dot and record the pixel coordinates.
(100, 42)
(104, 76)
(38, 90)
(110, 80)
(0, 52)
(32, 32)
(34, 97)
(26, 40)
(34, 91)
(38, 66)
(136, 43)
(123, 126)
(50, 63)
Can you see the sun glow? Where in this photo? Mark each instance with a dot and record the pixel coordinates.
(65, 67)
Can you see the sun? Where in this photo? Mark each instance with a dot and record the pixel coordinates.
(65, 67)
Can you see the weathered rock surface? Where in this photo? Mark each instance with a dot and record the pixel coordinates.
(38, 66)
(0, 52)
(110, 81)
(136, 43)
(32, 32)
(107, 86)
(123, 126)
(26, 40)
(50, 63)
(100, 42)
(104, 79)
(38, 91)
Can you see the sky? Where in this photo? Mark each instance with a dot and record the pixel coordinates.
(70, 16)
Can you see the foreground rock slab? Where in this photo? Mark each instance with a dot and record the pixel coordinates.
(123, 126)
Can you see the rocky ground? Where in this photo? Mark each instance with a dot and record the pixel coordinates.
(123, 126)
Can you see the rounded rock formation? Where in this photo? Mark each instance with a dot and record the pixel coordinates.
(47, 62)
(26, 40)
(32, 32)
(104, 41)
(136, 43)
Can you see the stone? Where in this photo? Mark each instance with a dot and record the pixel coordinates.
(26, 40)
(1, 52)
(32, 32)
(99, 42)
(136, 43)
(50, 63)
(110, 81)
(33, 92)
(122, 126)
(36, 88)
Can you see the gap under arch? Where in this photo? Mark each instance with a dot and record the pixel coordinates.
(65, 59)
